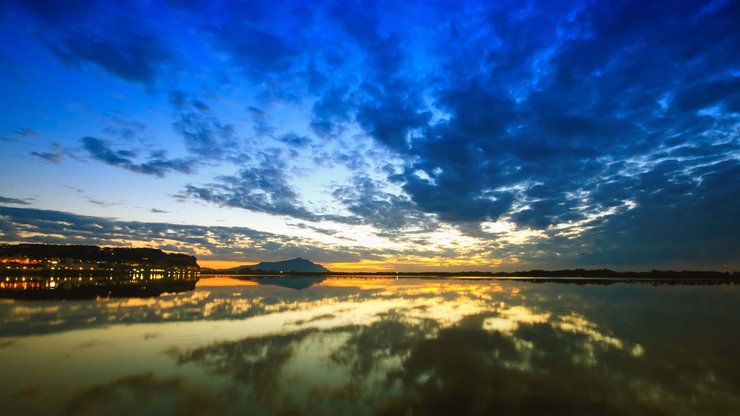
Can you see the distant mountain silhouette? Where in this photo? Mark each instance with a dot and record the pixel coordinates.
(297, 265)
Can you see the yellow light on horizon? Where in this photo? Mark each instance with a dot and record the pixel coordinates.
(361, 266)
(224, 281)
(224, 264)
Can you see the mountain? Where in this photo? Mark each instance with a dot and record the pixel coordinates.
(297, 265)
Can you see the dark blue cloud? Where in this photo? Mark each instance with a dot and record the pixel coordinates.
(268, 41)
(205, 136)
(111, 35)
(26, 132)
(260, 122)
(295, 141)
(156, 164)
(539, 107)
(365, 198)
(256, 49)
(331, 112)
(47, 156)
(131, 56)
(389, 116)
(722, 92)
(263, 188)
(682, 217)
(125, 130)
(14, 201)
(59, 12)
(55, 156)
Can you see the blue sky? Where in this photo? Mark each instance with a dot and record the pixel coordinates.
(407, 135)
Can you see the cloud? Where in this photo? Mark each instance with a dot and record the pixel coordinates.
(157, 164)
(268, 43)
(26, 132)
(260, 121)
(528, 128)
(55, 157)
(715, 92)
(365, 198)
(125, 129)
(257, 50)
(14, 201)
(295, 141)
(676, 218)
(390, 117)
(204, 134)
(104, 204)
(112, 37)
(261, 188)
(131, 56)
(331, 111)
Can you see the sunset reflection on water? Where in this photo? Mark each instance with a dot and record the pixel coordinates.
(377, 346)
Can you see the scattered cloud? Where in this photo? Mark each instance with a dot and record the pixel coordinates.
(156, 164)
(204, 134)
(261, 188)
(55, 156)
(14, 201)
(26, 132)
(117, 41)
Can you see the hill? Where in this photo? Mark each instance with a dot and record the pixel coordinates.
(292, 266)
(149, 256)
(297, 265)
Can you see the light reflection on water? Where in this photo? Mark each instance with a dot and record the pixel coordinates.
(377, 346)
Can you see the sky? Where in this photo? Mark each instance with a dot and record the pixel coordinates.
(400, 135)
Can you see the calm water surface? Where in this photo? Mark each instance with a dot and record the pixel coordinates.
(380, 346)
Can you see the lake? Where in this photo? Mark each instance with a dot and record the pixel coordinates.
(377, 346)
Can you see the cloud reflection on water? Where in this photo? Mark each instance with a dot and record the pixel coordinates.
(352, 346)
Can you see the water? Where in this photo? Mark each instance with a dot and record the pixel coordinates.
(377, 346)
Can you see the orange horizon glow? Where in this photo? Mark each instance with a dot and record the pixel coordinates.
(224, 264)
(221, 281)
(360, 266)
(411, 264)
